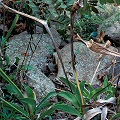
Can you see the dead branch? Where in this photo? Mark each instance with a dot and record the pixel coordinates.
(43, 22)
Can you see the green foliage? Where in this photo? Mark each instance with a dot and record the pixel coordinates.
(25, 106)
(109, 1)
(67, 108)
(116, 116)
(89, 94)
(87, 26)
(12, 26)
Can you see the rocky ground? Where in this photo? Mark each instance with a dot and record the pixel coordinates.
(45, 68)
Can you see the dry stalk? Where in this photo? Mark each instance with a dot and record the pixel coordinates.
(75, 7)
(45, 25)
(96, 47)
(107, 45)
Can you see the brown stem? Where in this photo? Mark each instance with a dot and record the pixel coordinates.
(75, 7)
(45, 25)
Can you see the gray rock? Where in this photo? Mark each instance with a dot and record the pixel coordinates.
(86, 62)
(112, 30)
(17, 48)
(19, 44)
(115, 69)
(41, 84)
(111, 23)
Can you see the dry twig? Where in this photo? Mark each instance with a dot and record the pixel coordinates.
(75, 7)
(96, 47)
(45, 25)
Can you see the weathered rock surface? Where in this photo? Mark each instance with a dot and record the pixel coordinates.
(41, 84)
(17, 48)
(111, 24)
(112, 30)
(115, 69)
(19, 44)
(86, 62)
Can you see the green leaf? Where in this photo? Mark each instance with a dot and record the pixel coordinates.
(118, 2)
(3, 40)
(88, 93)
(63, 6)
(16, 107)
(70, 97)
(16, 60)
(53, 12)
(69, 84)
(1, 62)
(11, 89)
(30, 93)
(61, 18)
(46, 113)
(3, 74)
(70, 2)
(106, 1)
(7, 60)
(31, 103)
(116, 116)
(106, 83)
(67, 108)
(78, 97)
(42, 103)
(45, 105)
(12, 26)
(97, 92)
(84, 90)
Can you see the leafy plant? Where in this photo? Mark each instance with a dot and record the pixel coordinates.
(25, 107)
(91, 97)
(87, 26)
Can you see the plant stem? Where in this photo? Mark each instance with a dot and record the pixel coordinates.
(47, 28)
(75, 7)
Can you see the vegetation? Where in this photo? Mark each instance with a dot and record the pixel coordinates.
(17, 100)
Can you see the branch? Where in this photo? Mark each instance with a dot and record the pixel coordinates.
(98, 48)
(45, 25)
(75, 7)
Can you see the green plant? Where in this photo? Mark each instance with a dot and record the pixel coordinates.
(91, 96)
(24, 106)
(87, 26)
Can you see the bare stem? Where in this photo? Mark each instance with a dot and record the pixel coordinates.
(75, 7)
(45, 25)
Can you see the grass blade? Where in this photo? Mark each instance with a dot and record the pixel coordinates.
(3, 74)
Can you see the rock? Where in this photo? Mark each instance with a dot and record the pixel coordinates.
(107, 10)
(111, 24)
(41, 84)
(115, 69)
(17, 48)
(86, 62)
(19, 44)
(113, 31)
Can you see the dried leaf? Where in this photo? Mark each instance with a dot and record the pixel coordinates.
(100, 38)
(91, 113)
(96, 47)
(107, 45)
(101, 76)
(111, 100)
(104, 113)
